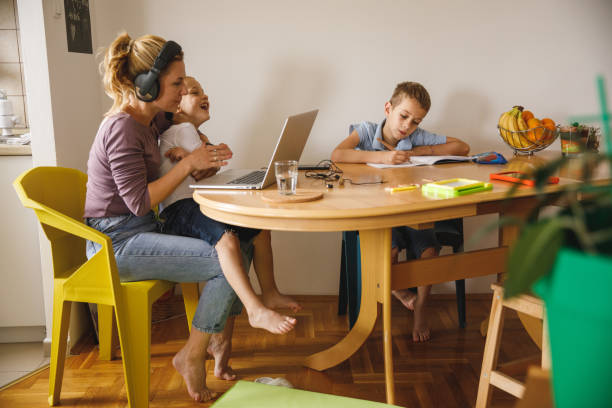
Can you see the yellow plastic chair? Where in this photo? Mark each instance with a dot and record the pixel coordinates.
(57, 196)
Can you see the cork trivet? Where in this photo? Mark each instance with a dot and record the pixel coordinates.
(298, 197)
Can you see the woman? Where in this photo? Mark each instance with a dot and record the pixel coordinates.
(145, 79)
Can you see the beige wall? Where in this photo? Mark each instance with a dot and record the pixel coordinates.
(260, 61)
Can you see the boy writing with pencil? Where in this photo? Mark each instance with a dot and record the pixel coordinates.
(394, 141)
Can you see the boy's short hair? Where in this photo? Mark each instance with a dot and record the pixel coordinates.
(413, 90)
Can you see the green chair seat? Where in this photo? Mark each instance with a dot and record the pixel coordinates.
(256, 395)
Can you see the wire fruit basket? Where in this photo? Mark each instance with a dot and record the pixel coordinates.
(529, 141)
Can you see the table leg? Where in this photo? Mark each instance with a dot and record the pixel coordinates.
(373, 254)
(384, 271)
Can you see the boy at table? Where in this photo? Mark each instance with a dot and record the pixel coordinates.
(394, 141)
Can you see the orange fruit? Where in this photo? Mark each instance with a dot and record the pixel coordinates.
(527, 115)
(535, 131)
(549, 124)
(533, 122)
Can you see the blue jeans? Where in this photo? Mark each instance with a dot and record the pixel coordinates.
(413, 241)
(448, 232)
(183, 217)
(143, 253)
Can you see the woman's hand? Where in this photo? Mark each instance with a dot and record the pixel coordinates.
(178, 153)
(209, 156)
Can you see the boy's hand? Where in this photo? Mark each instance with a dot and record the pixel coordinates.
(176, 154)
(396, 156)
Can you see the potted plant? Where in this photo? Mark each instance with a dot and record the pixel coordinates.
(578, 138)
(566, 259)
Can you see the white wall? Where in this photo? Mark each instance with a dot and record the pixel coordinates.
(260, 61)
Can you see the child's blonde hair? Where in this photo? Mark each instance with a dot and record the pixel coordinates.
(413, 90)
(124, 59)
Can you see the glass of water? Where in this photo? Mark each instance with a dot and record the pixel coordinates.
(286, 176)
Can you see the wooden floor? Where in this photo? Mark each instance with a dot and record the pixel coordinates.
(441, 373)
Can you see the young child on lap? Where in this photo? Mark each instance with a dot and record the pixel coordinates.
(182, 216)
(394, 141)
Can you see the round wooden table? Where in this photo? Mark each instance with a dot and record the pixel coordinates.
(369, 209)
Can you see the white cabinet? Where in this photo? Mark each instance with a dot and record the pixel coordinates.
(22, 315)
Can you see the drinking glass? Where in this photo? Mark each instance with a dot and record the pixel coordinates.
(286, 176)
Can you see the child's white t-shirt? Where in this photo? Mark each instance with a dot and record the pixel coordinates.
(186, 136)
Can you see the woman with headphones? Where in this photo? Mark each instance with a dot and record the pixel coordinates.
(145, 79)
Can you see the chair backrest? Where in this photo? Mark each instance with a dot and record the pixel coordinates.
(56, 193)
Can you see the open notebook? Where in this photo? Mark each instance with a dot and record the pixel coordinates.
(483, 158)
(425, 161)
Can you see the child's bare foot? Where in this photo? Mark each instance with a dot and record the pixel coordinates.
(406, 296)
(220, 348)
(194, 375)
(271, 321)
(420, 334)
(420, 329)
(278, 300)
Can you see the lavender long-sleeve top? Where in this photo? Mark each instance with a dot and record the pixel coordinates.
(124, 158)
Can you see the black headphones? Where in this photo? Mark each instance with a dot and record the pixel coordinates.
(147, 83)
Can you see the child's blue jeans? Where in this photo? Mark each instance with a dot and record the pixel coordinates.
(185, 218)
(142, 253)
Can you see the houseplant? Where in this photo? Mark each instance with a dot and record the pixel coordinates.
(566, 258)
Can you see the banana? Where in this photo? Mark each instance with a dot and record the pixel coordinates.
(519, 125)
(503, 127)
(513, 127)
(522, 125)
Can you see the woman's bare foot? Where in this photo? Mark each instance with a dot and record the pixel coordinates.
(406, 296)
(271, 321)
(277, 301)
(193, 372)
(220, 348)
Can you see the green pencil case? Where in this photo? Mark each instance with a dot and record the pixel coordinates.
(454, 188)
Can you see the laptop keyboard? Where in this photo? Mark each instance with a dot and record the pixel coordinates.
(253, 177)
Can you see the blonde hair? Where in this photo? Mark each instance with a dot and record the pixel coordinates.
(190, 78)
(124, 59)
(412, 90)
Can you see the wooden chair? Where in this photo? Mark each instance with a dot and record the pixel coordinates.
(489, 375)
(57, 196)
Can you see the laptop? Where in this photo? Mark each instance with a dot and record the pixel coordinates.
(290, 145)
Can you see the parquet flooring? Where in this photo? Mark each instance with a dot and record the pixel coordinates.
(440, 373)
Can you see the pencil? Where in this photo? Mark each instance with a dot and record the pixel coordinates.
(401, 188)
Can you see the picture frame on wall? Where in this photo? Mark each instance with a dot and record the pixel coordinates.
(78, 26)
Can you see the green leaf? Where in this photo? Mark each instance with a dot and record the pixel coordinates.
(533, 255)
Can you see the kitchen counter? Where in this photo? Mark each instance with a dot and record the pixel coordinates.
(15, 150)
